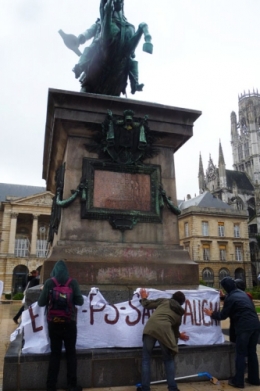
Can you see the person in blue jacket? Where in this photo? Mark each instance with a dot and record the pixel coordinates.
(241, 310)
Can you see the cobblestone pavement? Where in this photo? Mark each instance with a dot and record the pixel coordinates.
(7, 326)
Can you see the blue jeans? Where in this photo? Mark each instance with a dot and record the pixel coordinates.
(246, 343)
(148, 345)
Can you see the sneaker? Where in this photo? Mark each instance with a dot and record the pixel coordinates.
(230, 383)
(15, 321)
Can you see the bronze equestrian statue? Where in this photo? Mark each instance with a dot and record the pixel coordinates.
(105, 66)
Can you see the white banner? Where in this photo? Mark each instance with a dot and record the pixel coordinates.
(103, 325)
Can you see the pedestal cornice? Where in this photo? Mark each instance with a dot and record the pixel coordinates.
(77, 114)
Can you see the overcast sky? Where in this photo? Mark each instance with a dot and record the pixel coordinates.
(206, 52)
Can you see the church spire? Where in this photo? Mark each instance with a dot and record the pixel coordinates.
(220, 155)
(222, 168)
(201, 176)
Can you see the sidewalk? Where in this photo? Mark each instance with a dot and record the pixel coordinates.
(7, 326)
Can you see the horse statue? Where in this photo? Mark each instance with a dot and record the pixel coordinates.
(105, 66)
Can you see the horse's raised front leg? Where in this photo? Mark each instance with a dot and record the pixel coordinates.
(142, 29)
(147, 46)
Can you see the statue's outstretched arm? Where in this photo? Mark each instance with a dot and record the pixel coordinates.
(88, 34)
(71, 41)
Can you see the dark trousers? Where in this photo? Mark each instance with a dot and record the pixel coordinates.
(246, 344)
(58, 333)
(19, 313)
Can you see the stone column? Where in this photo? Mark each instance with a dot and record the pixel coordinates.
(34, 234)
(12, 233)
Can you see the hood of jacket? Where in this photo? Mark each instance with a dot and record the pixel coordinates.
(60, 272)
(176, 307)
(228, 284)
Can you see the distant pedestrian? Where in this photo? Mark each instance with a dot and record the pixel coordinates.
(60, 294)
(33, 280)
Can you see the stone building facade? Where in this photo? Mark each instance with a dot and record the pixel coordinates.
(24, 225)
(216, 236)
(240, 188)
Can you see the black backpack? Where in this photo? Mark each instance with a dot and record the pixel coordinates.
(60, 306)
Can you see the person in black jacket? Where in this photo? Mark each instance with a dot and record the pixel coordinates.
(33, 280)
(240, 284)
(241, 310)
(61, 330)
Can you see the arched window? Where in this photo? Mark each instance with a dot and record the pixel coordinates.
(208, 276)
(223, 273)
(237, 202)
(20, 275)
(240, 273)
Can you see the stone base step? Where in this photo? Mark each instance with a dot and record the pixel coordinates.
(114, 367)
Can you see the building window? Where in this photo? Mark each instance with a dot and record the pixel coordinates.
(186, 229)
(221, 231)
(223, 273)
(222, 253)
(240, 273)
(238, 253)
(236, 231)
(248, 164)
(186, 247)
(41, 248)
(240, 153)
(206, 252)
(205, 228)
(22, 247)
(208, 276)
(246, 149)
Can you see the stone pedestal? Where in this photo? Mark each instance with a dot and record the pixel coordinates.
(98, 368)
(98, 254)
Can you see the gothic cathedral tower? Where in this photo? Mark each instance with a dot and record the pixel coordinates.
(245, 136)
(245, 142)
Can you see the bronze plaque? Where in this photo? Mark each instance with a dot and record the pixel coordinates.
(122, 191)
(122, 194)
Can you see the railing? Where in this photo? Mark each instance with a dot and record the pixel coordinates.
(22, 248)
(248, 95)
(41, 248)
